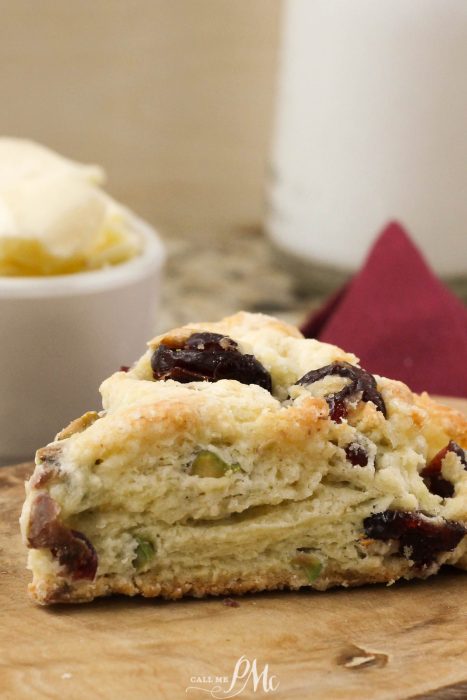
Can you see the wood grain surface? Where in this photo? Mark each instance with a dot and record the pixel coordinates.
(406, 641)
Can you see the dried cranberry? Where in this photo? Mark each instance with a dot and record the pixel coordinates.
(43, 527)
(432, 476)
(77, 555)
(457, 449)
(72, 549)
(438, 485)
(338, 409)
(420, 538)
(361, 381)
(208, 357)
(210, 341)
(124, 368)
(452, 446)
(356, 455)
(49, 460)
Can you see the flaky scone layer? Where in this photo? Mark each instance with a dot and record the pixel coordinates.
(287, 511)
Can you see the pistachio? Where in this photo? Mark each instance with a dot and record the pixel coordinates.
(144, 552)
(207, 463)
(313, 571)
(235, 467)
(310, 565)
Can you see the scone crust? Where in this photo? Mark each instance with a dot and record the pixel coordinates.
(447, 419)
(150, 586)
(140, 413)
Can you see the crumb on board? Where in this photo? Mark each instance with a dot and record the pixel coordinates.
(231, 603)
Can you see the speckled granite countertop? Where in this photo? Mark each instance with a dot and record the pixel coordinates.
(206, 281)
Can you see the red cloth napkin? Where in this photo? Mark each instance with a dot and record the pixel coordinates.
(399, 319)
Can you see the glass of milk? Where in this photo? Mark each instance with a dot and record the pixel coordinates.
(371, 126)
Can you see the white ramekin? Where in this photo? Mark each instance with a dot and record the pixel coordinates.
(61, 336)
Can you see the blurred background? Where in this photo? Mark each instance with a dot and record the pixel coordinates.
(215, 119)
(173, 97)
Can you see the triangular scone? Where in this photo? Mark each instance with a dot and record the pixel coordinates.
(238, 456)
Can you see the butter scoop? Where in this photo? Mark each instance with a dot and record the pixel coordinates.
(54, 217)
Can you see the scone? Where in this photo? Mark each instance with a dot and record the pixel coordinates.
(238, 456)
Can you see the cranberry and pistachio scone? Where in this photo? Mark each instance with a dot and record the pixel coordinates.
(238, 456)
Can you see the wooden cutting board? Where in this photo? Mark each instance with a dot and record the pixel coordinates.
(373, 643)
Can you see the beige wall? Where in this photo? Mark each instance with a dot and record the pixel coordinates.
(173, 97)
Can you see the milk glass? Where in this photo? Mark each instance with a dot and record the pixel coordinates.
(371, 126)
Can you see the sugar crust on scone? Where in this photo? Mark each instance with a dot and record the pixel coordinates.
(291, 503)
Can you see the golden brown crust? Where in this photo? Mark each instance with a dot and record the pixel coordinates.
(149, 585)
(452, 422)
(178, 336)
